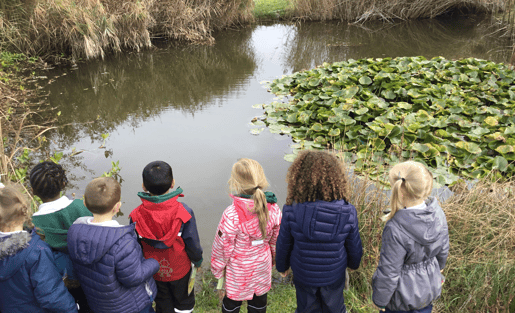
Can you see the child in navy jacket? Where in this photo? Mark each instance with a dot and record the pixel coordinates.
(29, 280)
(168, 234)
(112, 271)
(319, 236)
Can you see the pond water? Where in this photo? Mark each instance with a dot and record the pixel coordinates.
(191, 106)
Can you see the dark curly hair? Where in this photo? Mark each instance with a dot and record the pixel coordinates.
(47, 179)
(316, 175)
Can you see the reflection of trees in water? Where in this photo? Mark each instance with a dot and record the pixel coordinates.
(100, 96)
(315, 43)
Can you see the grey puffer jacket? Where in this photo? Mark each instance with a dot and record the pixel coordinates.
(415, 246)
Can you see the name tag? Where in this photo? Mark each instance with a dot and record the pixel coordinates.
(257, 242)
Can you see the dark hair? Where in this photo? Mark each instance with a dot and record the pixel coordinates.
(157, 177)
(47, 180)
(102, 194)
(316, 175)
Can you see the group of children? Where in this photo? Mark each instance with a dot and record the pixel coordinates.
(77, 258)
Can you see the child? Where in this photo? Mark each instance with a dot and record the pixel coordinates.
(54, 217)
(415, 244)
(319, 236)
(244, 245)
(168, 233)
(107, 258)
(29, 280)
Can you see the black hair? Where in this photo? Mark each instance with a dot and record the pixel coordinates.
(47, 179)
(157, 177)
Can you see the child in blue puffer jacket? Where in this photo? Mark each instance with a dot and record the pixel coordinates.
(29, 279)
(319, 236)
(107, 257)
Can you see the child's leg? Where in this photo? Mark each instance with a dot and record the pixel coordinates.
(164, 302)
(257, 304)
(332, 298)
(230, 306)
(182, 301)
(308, 299)
(79, 296)
(427, 309)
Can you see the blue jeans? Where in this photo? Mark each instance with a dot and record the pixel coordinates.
(427, 309)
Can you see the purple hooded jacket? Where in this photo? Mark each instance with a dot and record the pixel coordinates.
(110, 266)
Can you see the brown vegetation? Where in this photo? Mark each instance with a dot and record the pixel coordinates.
(93, 28)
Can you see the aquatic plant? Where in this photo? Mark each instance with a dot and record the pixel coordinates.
(457, 117)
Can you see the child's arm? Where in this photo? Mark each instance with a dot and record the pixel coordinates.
(191, 239)
(223, 245)
(442, 255)
(353, 244)
(275, 234)
(48, 285)
(284, 242)
(131, 268)
(386, 277)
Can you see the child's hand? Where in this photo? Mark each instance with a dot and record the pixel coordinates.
(380, 309)
(285, 273)
(221, 294)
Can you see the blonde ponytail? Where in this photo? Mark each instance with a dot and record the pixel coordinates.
(261, 209)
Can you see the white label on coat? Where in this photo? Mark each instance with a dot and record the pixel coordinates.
(257, 242)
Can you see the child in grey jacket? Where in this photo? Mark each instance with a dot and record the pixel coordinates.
(415, 244)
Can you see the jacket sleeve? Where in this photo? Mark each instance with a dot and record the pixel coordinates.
(48, 285)
(191, 239)
(387, 274)
(223, 245)
(131, 268)
(353, 245)
(275, 233)
(284, 243)
(442, 255)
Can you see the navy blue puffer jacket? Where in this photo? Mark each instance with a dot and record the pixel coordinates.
(112, 271)
(319, 240)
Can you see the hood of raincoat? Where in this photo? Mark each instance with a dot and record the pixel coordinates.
(322, 220)
(13, 252)
(422, 225)
(247, 217)
(91, 242)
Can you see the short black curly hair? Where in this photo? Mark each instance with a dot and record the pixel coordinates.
(316, 175)
(47, 179)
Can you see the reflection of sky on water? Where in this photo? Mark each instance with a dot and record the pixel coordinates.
(191, 106)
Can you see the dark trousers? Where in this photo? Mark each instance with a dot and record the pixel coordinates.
(427, 309)
(256, 305)
(148, 309)
(174, 295)
(80, 299)
(327, 299)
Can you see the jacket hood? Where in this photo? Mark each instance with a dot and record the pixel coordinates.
(247, 218)
(422, 225)
(13, 252)
(322, 220)
(87, 244)
(161, 198)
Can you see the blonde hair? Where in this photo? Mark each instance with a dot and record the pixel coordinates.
(248, 177)
(102, 194)
(14, 208)
(410, 179)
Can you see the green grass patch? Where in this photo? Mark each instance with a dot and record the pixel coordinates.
(271, 9)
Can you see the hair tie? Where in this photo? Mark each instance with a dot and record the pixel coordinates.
(256, 188)
(403, 179)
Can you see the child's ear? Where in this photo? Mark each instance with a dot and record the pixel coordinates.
(143, 186)
(117, 206)
(173, 183)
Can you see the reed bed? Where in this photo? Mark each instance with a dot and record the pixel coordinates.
(93, 28)
(364, 10)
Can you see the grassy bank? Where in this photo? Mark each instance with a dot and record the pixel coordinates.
(364, 10)
(480, 270)
(93, 28)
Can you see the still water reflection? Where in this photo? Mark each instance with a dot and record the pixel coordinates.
(191, 106)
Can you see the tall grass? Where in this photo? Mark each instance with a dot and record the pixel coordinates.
(93, 28)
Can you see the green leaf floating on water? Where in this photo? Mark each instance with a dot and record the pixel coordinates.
(458, 117)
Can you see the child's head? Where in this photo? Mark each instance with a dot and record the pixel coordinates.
(14, 209)
(248, 177)
(102, 195)
(411, 183)
(157, 177)
(47, 180)
(316, 175)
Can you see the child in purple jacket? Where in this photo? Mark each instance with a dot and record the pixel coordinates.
(107, 258)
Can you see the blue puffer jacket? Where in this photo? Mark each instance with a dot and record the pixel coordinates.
(29, 281)
(319, 240)
(111, 268)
